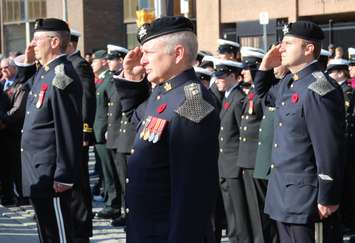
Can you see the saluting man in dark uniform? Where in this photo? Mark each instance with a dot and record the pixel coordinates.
(52, 131)
(81, 207)
(228, 79)
(172, 173)
(305, 183)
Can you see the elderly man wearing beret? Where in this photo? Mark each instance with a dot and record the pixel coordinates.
(172, 171)
(307, 160)
(52, 131)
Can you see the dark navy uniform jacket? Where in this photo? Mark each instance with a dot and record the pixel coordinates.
(52, 131)
(252, 114)
(172, 181)
(87, 78)
(230, 115)
(307, 152)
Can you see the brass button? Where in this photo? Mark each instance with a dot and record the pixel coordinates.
(132, 151)
(246, 117)
(259, 143)
(291, 85)
(283, 103)
(221, 150)
(127, 180)
(272, 166)
(27, 112)
(21, 149)
(260, 130)
(264, 117)
(158, 97)
(244, 139)
(221, 139)
(245, 128)
(127, 210)
(275, 145)
(280, 124)
(221, 128)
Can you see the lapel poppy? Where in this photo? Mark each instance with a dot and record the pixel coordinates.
(162, 107)
(226, 105)
(295, 98)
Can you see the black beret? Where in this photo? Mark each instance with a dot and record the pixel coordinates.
(306, 30)
(51, 24)
(163, 26)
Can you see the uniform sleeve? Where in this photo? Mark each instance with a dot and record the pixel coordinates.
(66, 107)
(86, 76)
(17, 111)
(266, 86)
(194, 176)
(325, 119)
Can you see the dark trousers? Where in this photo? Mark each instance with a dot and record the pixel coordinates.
(327, 231)
(54, 222)
(263, 229)
(219, 218)
(236, 210)
(121, 166)
(81, 200)
(11, 166)
(110, 177)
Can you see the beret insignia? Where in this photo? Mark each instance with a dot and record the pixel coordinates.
(195, 108)
(61, 80)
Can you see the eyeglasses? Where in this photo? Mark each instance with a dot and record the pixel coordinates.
(37, 38)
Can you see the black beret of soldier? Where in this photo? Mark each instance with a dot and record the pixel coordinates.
(51, 24)
(306, 30)
(163, 26)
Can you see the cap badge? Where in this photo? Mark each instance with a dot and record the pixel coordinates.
(167, 86)
(142, 32)
(285, 29)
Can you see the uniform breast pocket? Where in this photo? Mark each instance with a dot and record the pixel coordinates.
(300, 193)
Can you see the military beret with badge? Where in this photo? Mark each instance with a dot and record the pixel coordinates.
(51, 24)
(100, 54)
(163, 26)
(306, 30)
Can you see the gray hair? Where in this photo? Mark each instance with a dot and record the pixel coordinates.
(64, 38)
(9, 61)
(185, 38)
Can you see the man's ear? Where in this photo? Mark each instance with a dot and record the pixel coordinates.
(309, 49)
(55, 42)
(179, 53)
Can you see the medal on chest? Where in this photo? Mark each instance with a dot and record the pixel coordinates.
(152, 129)
(41, 95)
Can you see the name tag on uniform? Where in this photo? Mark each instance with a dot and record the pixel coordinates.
(41, 95)
(153, 129)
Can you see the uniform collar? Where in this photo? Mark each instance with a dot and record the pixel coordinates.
(76, 52)
(178, 80)
(52, 63)
(313, 66)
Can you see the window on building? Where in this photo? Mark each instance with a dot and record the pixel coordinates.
(130, 7)
(256, 41)
(132, 36)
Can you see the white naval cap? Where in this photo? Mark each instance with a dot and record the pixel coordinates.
(111, 48)
(337, 64)
(351, 51)
(222, 66)
(228, 42)
(325, 53)
(74, 32)
(203, 71)
(247, 51)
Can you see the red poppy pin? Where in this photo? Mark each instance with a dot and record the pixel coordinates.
(162, 107)
(226, 105)
(295, 97)
(251, 96)
(44, 87)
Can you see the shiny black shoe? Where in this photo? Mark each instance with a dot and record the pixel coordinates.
(108, 213)
(119, 222)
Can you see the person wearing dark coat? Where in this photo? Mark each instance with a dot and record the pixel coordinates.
(306, 180)
(228, 79)
(52, 132)
(172, 178)
(81, 204)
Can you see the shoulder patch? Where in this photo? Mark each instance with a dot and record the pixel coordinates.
(321, 86)
(195, 108)
(61, 80)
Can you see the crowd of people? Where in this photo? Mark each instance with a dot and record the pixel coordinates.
(255, 142)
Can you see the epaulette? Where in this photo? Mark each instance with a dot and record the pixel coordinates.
(61, 80)
(321, 86)
(195, 108)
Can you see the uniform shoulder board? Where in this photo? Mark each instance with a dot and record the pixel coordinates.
(61, 80)
(195, 108)
(321, 86)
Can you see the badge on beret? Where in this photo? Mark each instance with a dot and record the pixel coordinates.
(41, 95)
(285, 29)
(142, 32)
(295, 98)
